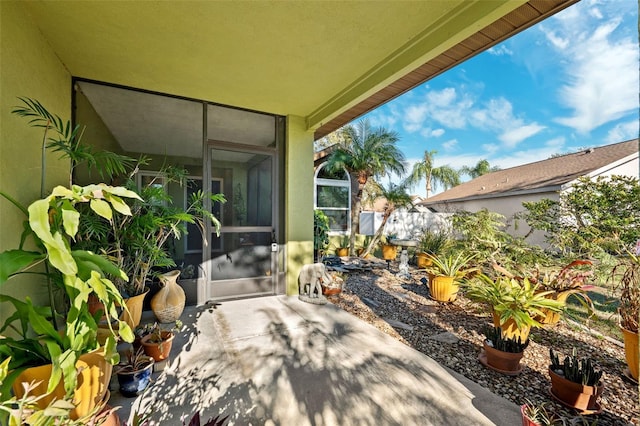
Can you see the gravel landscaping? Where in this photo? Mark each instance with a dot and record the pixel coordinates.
(451, 335)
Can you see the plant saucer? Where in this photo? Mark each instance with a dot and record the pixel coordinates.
(483, 360)
(587, 412)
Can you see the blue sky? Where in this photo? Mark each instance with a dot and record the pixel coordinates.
(569, 82)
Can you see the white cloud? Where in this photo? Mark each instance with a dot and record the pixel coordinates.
(513, 137)
(437, 132)
(623, 132)
(500, 50)
(450, 145)
(414, 117)
(600, 64)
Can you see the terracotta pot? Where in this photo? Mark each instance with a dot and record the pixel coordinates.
(389, 252)
(342, 251)
(442, 288)
(576, 395)
(510, 329)
(107, 417)
(423, 260)
(631, 351)
(503, 361)
(158, 351)
(94, 304)
(135, 306)
(526, 421)
(168, 303)
(94, 374)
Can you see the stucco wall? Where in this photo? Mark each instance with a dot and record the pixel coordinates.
(29, 69)
(298, 199)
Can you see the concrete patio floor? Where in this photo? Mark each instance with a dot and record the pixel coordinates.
(279, 361)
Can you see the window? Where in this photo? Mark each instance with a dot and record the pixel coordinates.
(332, 196)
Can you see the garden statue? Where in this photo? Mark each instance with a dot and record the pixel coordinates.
(310, 283)
(403, 268)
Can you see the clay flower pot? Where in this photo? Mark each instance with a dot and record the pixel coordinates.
(159, 351)
(581, 397)
(526, 420)
(503, 362)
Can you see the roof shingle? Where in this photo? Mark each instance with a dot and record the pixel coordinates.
(547, 174)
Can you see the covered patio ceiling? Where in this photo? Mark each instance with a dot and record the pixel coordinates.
(329, 62)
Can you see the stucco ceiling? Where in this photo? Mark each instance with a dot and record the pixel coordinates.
(313, 59)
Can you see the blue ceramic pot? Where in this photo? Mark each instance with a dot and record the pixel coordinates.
(133, 383)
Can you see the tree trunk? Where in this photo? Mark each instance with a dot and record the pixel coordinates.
(376, 236)
(356, 197)
(428, 185)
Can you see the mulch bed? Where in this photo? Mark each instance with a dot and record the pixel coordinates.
(450, 333)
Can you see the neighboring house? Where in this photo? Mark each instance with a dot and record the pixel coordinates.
(236, 93)
(504, 191)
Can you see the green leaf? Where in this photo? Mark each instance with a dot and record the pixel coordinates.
(119, 205)
(14, 261)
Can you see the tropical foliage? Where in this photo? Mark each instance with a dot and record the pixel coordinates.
(482, 167)
(445, 176)
(365, 152)
(594, 215)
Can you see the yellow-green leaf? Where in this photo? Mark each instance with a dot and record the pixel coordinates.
(102, 208)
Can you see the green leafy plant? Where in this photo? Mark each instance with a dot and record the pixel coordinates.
(51, 224)
(156, 331)
(541, 414)
(504, 344)
(577, 370)
(138, 243)
(26, 411)
(33, 336)
(135, 360)
(510, 298)
(457, 266)
(596, 214)
(434, 242)
(320, 231)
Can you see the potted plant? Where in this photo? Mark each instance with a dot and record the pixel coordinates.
(138, 244)
(431, 243)
(626, 276)
(59, 347)
(537, 415)
(134, 373)
(576, 382)
(514, 303)
(502, 354)
(389, 250)
(445, 274)
(569, 280)
(157, 343)
(41, 347)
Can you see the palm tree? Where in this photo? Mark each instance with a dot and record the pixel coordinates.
(365, 152)
(481, 168)
(396, 197)
(445, 175)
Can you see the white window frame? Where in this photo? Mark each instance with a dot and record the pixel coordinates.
(336, 183)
